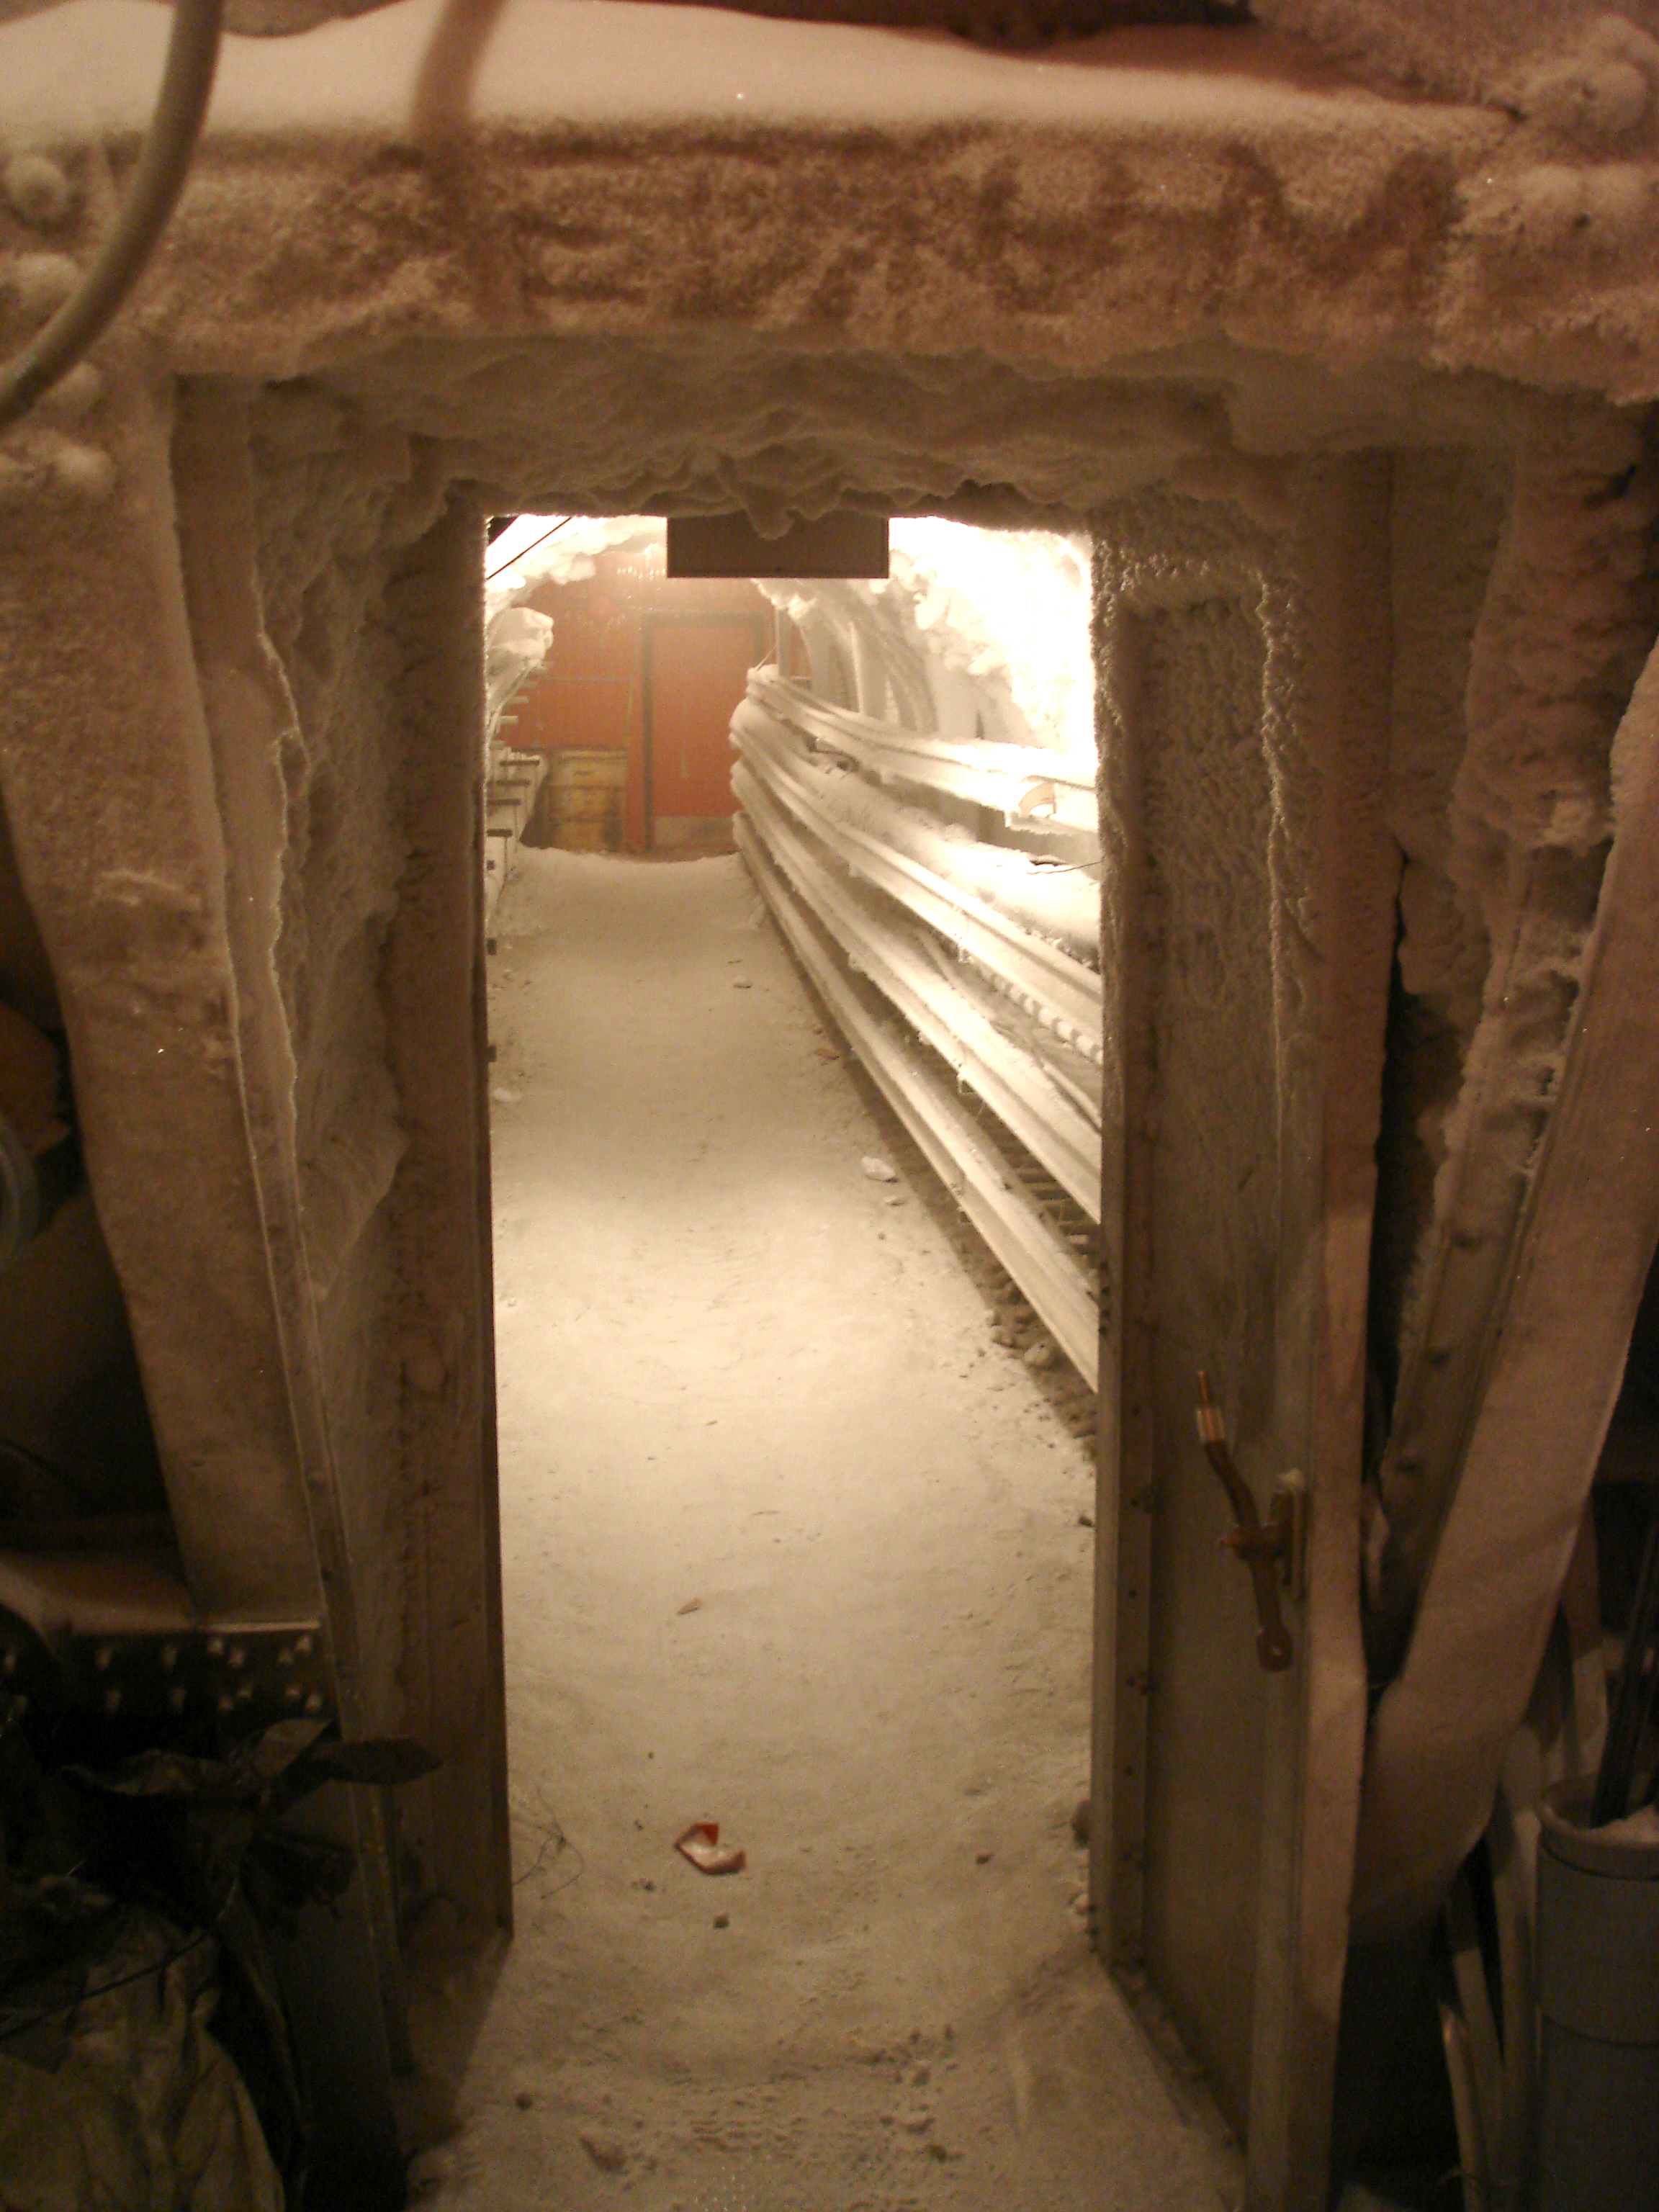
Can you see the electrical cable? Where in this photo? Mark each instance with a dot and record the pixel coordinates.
(491, 575)
(169, 146)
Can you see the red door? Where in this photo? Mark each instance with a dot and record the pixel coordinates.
(697, 670)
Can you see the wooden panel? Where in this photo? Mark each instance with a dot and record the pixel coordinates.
(582, 808)
(1250, 929)
(697, 676)
(1330, 1115)
(1206, 922)
(590, 693)
(1123, 1482)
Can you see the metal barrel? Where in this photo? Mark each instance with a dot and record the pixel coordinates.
(1598, 1990)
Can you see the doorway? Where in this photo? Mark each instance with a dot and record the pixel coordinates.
(798, 1541)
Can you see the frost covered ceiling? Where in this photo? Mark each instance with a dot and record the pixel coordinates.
(613, 427)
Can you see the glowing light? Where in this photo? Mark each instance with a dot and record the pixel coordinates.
(519, 536)
(551, 548)
(1013, 604)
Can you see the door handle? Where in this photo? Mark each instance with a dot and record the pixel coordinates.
(1267, 1548)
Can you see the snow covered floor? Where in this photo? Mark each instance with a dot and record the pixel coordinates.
(792, 1544)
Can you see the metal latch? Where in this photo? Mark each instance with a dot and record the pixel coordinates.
(1272, 1550)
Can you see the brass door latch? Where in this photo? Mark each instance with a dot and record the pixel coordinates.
(1272, 1550)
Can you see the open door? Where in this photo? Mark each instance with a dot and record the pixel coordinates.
(1248, 933)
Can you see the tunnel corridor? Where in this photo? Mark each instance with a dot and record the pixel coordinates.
(792, 1543)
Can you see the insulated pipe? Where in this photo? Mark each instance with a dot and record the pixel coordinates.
(1598, 1992)
(180, 106)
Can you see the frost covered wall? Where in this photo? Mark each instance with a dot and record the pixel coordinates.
(996, 622)
(327, 543)
(342, 674)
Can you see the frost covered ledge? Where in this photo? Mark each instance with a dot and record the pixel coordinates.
(634, 171)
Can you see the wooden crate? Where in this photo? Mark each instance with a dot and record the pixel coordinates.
(574, 768)
(583, 802)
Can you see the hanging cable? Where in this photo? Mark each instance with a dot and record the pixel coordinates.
(180, 106)
(512, 560)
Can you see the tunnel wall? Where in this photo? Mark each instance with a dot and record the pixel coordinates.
(332, 588)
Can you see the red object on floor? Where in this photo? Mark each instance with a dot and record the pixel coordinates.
(700, 1844)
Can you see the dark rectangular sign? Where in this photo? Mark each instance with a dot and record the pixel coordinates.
(840, 544)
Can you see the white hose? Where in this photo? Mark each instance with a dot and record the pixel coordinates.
(186, 82)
